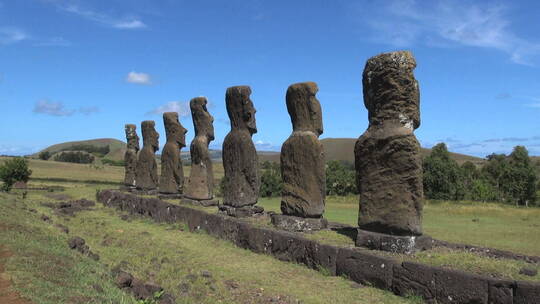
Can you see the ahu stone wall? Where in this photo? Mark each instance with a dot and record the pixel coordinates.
(434, 284)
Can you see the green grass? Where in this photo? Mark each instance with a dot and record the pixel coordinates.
(498, 226)
(160, 253)
(42, 267)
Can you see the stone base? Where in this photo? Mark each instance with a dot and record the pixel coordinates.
(204, 203)
(298, 224)
(170, 195)
(393, 243)
(126, 188)
(245, 211)
(143, 191)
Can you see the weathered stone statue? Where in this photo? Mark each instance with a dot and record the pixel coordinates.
(171, 182)
(130, 158)
(240, 159)
(387, 156)
(200, 186)
(302, 162)
(146, 174)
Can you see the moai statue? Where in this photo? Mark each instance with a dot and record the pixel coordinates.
(200, 186)
(387, 156)
(240, 161)
(302, 163)
(130, 158)
(146, 175)
(172, 174)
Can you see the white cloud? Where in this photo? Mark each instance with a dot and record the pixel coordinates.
(89, 110)
(128, 23)
(11, 35)
(445, 23)
(131, 24)
(54, 41)
(52, 108)
(181, 107)
(138, 78)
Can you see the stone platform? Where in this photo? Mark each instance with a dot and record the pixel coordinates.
(298, 224)
(170, 195)
(204, 203)
(393, 243)
(245, 211)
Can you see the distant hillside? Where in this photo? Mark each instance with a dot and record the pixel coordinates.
(117, 148)
(343, 149)
(334, 148)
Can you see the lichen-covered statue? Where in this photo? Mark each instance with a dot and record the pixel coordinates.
(200, 185)
(240, 161)
(171, 181)
(147, 174)
(130, 157)
(387, 156)
(303, 163)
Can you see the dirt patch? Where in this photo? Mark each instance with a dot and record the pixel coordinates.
(58, 196)
(70, 208)
(7, 295)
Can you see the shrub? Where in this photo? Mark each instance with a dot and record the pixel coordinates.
(271, 182)
(112, 162)
(75, 157)
(44, 155)
(14, 170)
(340, 178)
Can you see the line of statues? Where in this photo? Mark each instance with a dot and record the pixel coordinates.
(387, 155)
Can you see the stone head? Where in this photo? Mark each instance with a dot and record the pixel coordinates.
(202, 120)
(131, 137)
(240, 108)
(390, 90)
(174, 130)
(149, 134)
(304, 108)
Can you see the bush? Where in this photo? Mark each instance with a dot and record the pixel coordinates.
(78, 157)
(271, 182)
(44, 155)
(340, 178)
(112, 162)
(443, 178)
(14, 170)
(96, 150)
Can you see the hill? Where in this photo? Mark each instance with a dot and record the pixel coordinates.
(117, 148)
(334, 149)
(343, 149)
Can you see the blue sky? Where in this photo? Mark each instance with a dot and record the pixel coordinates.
(81, 69)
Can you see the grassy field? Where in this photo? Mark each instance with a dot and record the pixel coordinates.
(174, 258)
(165, 254)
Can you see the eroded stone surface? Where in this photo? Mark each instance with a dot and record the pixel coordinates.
(240, 161)
(302, 155)
(387, 156)
(130, 158)
(298, 224)
(200, 185)
(146, 173)
(172, 173)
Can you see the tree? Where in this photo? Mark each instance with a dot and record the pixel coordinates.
(469, 174)
(442, 175)
(44, 155)
(520, 179)
(340, 178)
(14, 170)
(271, 182)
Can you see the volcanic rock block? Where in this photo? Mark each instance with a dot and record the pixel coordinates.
(130, 158)
(302, 155)
(172, 173)
(387, 156)
(240, 162)
(200, 184)
(147, 175)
